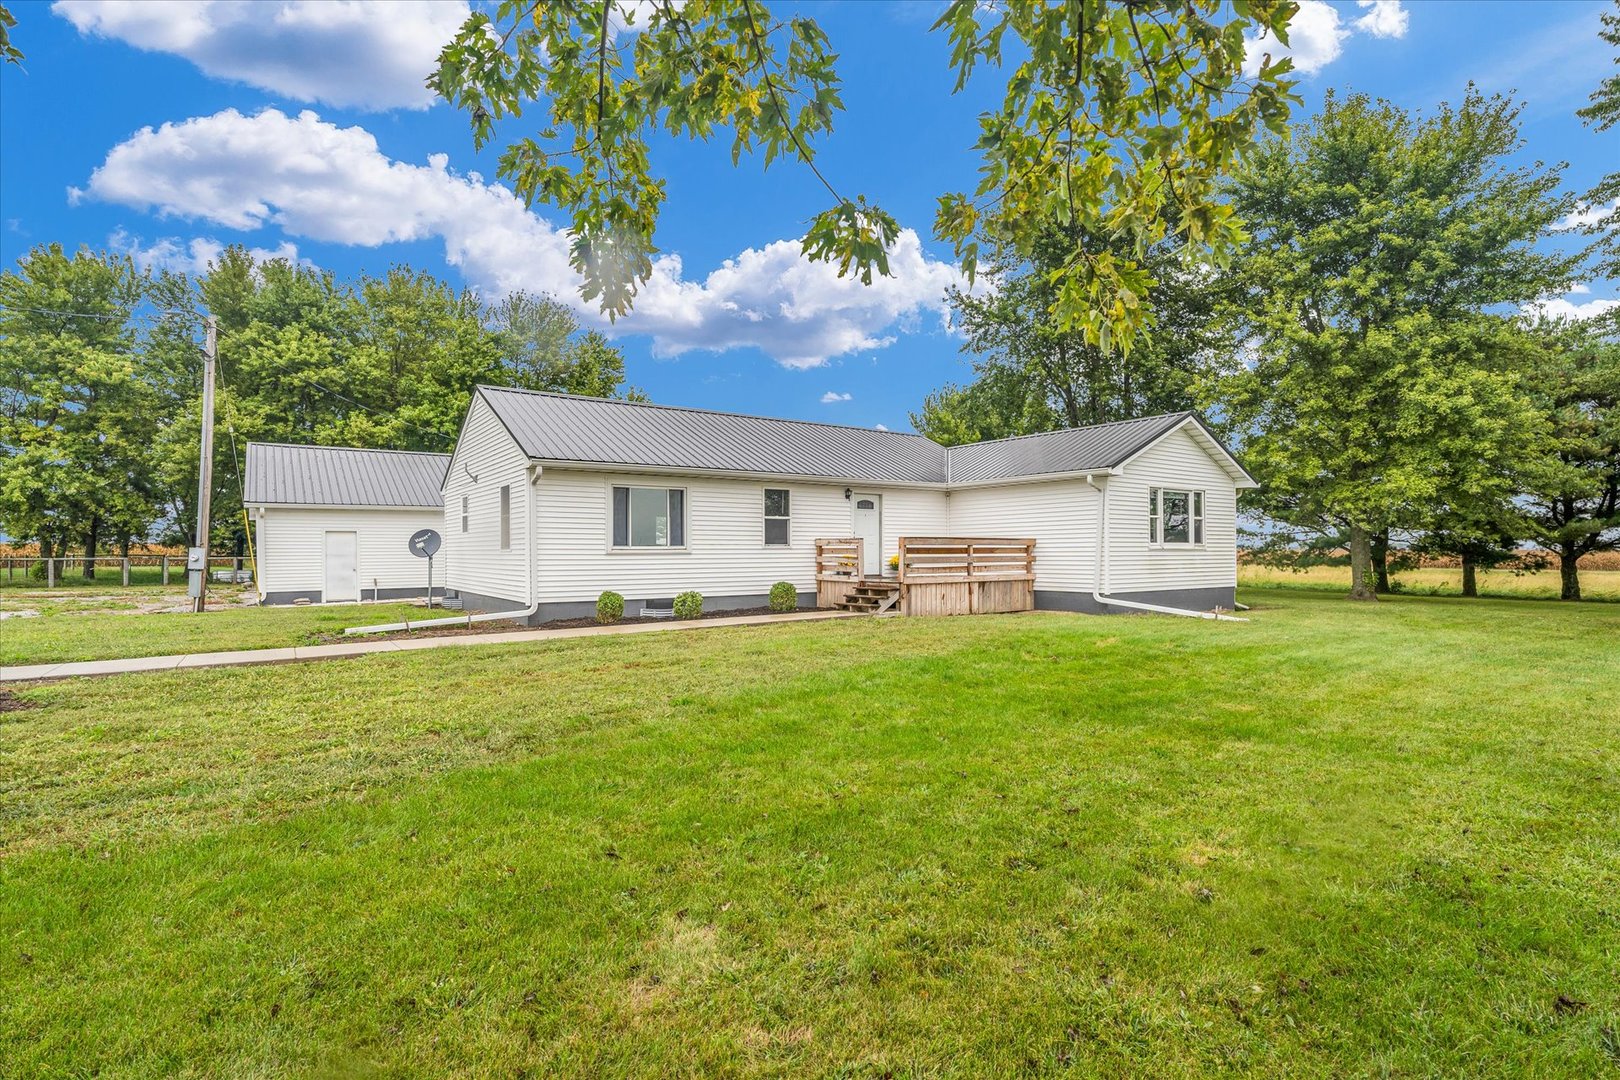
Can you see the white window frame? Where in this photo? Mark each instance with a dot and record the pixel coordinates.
(1197, 511)
(466, 500)
(506, 517)
(764, 529)
(628, 549)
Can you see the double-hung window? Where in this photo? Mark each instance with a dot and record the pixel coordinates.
(778, 519)
(649, 517)
(1175, 518)
(506, 517)
(465, 501)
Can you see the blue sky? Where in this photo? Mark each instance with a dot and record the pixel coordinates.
(169, 130)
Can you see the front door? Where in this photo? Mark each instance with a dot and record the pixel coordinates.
(868, 525)
(342, 567)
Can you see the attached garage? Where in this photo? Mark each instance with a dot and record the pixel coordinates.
(332, 524)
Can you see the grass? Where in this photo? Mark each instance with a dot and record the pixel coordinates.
(1541, 585)
(63, 632)
(1337, 840)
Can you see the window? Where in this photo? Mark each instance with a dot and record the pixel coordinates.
(464, 501)
(649, 517)
(1175, 517)
(778, 521)
(506, 517)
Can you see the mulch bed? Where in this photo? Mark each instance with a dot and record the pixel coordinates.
(554, 624)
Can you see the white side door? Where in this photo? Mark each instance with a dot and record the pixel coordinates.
(868, 525)
(342, 567)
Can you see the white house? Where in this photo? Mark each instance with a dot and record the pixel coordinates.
(331, 524)
(549, 499)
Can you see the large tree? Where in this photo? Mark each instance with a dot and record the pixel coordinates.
(1573, 492)
(76, 414)
(1120, 117)
(387, 362)
(1032, 374)
(1383, 386)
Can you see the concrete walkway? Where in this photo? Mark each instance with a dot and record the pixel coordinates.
(363, 647)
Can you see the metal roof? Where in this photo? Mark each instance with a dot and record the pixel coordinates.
(279, 474)
(563, 427)
(1073, 450)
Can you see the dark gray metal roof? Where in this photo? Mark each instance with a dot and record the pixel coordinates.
(341, 476)
(561, 427)
(1099, 447)
(599, 431)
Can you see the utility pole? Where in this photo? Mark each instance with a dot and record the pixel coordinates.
(197, 558)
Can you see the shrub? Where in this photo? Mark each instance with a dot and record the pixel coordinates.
(609, 607)
(689, 605)
(784, 597)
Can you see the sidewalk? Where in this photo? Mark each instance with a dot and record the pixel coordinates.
(362, 647)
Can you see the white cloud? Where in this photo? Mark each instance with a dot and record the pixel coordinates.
(194, 256)
(1384, 18)
(366, 55)
(316, 181)
(881, 427)
(1317, 34)
(1586, 215)
(833, 397)
(1563, 309)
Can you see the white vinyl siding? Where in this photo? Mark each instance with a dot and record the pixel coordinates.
(725, 552)
(1178, 462)
(290, 546)
(476, 560)
(1061, 515)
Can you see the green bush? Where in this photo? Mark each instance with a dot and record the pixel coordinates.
(609, 607)
(689, 605)
(784, 597)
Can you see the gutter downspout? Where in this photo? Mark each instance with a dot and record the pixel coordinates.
(488, 616)
(1097, 574)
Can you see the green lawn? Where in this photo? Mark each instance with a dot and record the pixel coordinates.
(63, 634)
(1336, 840)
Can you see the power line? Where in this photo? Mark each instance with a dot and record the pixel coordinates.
(94, 315)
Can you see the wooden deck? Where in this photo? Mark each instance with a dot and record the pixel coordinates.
(936, 575)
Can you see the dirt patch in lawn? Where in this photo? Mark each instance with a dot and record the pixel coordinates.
(10, 702)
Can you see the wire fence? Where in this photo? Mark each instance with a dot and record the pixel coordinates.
(68, 571)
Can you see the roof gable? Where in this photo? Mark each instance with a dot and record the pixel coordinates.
(280, 474)
(1097, 448)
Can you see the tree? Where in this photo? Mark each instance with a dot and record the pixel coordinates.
(1479, 536)
(1383, 387)
(8, 52)
(1604, 113)
(541, 348)
(77, 421)
(1118, 117)
(1033, 375)
(1574, 490)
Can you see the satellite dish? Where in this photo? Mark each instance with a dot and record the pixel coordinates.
(425, 543)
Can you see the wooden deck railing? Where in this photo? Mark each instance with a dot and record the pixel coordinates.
(957, 575)
(838, 568)
(938, 575)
